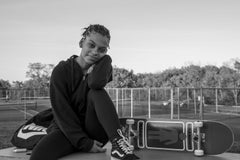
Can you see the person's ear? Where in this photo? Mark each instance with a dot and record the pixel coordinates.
(81, 42)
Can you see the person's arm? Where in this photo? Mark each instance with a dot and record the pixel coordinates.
(101, 73)
(64, 115)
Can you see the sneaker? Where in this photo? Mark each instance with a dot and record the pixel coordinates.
(121, 149)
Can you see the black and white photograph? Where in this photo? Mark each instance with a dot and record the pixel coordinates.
(119, 79)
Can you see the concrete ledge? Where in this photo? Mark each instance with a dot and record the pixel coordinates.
(8, 154)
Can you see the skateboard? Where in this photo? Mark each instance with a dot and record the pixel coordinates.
(199, 137)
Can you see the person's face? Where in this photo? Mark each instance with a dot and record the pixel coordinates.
(94, 47)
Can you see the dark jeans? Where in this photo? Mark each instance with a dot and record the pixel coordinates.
(101, 124)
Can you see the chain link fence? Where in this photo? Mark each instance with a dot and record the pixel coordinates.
(23, 103)
(175, 103)
(170, 103)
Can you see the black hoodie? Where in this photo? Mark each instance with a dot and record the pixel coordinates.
(68, 94)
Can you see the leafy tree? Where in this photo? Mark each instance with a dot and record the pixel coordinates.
(148, 80)
(178, 78)
(193, 76)
(17, 84)
(157, 80)
(237, 66)
(122, 78)
(39, 75)
(5, 84)
(211, 76)
(229, 78)
(169, 76)
(140, 82)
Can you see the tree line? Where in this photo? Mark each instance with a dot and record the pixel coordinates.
(192, 76)
(225, 76)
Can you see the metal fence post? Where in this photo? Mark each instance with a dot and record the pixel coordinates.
(122, 97)
(195, 103)
(172, 105)
(178, 94)
(25, 105)
(201, 104)
(149, 103)
(188, 103)
(216, 94)
(117, 99)
(131, 102)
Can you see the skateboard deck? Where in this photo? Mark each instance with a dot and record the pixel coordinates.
(200, 137)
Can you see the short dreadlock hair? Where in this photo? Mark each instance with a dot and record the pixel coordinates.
(96, 28)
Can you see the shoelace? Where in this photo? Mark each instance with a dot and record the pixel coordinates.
(123, 143)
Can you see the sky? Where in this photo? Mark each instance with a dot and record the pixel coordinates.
(148, 36)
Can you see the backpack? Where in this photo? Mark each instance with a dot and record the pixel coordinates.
(30, 133)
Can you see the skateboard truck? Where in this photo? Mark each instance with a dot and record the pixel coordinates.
(130, 133)
(198, 139)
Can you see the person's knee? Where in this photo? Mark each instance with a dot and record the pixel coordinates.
(96, 94)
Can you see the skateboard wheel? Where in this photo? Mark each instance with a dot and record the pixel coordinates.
(198, 124)
(130, 121)
(198, 152)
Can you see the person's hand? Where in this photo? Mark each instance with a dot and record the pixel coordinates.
(96, 148)
(90, 69)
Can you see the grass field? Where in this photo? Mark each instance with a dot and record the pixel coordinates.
(12, 116)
